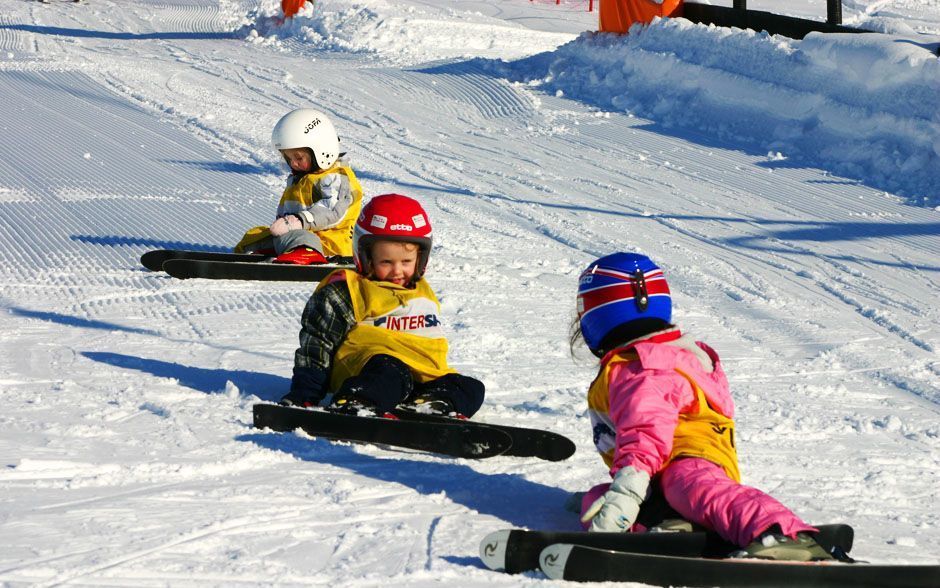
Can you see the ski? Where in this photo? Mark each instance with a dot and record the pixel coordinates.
(517, 550)
(153, 260)
(243, 270)
(453, 439)
(525, 442)
(590, 564)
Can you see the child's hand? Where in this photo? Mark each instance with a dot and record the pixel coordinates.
(285, 224)
(617, 509)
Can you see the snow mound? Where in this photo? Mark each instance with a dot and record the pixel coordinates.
(396, 35)
(867, 103)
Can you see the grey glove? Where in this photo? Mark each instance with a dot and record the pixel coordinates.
(617, 509)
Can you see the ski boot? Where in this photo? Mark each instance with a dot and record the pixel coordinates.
(301, 256)
(672, 526)
(432, 405)
(782, 548)
(353, 405)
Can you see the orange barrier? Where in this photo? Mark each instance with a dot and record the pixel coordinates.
(291, 7)
(616, 16)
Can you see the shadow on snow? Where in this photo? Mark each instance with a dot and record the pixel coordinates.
(210, 381)
(84, 33)
(120, 240)
(509, 497)
(775, 239)
(74, 321)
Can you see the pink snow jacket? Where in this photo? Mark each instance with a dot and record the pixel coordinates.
(660, 398)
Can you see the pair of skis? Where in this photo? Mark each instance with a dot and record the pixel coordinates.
(689, 559)
(212, 265)
(421, 432)
(658, 559)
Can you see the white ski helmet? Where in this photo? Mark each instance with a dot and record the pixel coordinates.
(308, 128)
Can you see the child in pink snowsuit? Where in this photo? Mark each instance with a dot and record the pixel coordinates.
(661, 409)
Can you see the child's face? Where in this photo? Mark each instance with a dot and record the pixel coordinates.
(394, 261)
(298, 159)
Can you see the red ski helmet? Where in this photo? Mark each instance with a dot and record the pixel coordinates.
(392, 217)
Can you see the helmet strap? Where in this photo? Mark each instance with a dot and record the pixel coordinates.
(640, 295)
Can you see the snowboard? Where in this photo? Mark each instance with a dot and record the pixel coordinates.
(526, 442)
(153, 260)
(257, 270)
(517, 550)
(461, 439)
(589, 564)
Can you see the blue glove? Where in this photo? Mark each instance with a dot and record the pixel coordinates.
(306, 387)
(617, 509)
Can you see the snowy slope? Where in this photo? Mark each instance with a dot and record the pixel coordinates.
(789, 189)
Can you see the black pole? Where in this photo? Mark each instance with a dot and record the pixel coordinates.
(834, 12)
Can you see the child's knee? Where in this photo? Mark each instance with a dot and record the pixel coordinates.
(463, 392)
(384, 381)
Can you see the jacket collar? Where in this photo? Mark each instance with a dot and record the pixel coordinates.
(665, 336)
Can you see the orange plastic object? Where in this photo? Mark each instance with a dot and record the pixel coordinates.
(291, 7)
(616, 16)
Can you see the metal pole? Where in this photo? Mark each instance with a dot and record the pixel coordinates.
(834, 12)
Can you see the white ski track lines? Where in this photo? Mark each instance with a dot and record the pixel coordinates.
(127, 393)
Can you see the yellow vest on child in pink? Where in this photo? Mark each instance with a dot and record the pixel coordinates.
(668, 407)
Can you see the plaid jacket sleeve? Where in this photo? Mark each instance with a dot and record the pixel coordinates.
(327, 318)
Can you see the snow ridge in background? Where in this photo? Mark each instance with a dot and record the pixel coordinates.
(398, 35)
(867, 104)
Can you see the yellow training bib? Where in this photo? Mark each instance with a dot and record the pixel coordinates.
(336, 240)
(705, 433)
(391, 320)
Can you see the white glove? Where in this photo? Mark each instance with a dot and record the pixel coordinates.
(617, 509)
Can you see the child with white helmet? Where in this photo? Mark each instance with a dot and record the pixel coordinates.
(373, 336)
(662, 417)
(318, 209)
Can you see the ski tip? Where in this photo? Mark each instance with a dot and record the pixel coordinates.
(173, 268)
(153, 260)
(553, 558)
(493, 550)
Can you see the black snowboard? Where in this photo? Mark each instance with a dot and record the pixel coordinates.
(454, 439)
(526, 442)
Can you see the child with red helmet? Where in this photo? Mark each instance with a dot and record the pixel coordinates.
(319, 206)
(373, 336)
(662, 417)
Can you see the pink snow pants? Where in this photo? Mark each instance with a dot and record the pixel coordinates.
(702, 493)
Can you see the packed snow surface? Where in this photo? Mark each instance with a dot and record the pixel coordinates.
(789, 189)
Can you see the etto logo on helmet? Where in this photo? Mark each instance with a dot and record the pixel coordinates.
(401, 227)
